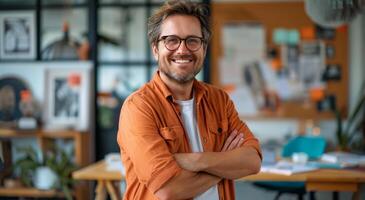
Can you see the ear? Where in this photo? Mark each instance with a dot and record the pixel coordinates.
(155, 51)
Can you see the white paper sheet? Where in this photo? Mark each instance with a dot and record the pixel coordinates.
(243, 43)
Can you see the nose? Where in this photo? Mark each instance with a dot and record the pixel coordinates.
(182, 48)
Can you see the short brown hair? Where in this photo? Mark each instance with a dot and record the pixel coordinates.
(183, 7)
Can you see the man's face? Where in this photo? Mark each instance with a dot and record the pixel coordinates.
(180, 65)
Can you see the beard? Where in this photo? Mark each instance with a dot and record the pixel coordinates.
(175, 76)
(179, 78)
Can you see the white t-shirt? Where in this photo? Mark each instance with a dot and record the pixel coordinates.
(188, 114)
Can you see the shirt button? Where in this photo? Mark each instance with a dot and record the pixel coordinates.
(205, 140)
(219, 130)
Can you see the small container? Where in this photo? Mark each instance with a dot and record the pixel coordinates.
(45, 178)
(300, 158)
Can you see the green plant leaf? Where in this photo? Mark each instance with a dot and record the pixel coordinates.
(347, 132)
(357, 128)
(354, 114)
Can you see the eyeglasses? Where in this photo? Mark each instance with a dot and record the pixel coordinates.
(172, 42)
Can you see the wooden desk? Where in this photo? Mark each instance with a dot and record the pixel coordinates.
(105, 179)
(320, 180)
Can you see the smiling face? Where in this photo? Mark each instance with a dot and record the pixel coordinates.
(180, 65)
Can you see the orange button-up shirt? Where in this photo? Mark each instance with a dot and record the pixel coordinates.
(151, 130)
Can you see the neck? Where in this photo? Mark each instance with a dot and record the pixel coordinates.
(180, 91)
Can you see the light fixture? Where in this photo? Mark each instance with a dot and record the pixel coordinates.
(333, 13)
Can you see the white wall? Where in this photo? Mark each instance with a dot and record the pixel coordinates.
(357, 57)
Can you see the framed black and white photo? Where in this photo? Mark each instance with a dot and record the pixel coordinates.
(67, 98)
(17, 35)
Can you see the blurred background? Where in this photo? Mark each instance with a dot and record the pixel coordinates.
(292, 67)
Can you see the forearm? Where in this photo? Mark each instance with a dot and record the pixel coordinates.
(232, 164)
(187, 185)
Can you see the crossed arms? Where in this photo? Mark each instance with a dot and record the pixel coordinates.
(205, 169)
(192, 173)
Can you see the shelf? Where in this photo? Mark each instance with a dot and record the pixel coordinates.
(126, 63)
(40, 60)
(129, 4)
(16, 7)
(290, 110)
(17, 133)
(45, 139)
(29, 192)
(64, 6)
(81, 140)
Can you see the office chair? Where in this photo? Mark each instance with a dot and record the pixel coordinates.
(313, 147)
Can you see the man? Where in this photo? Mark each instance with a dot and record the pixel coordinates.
(180, 138)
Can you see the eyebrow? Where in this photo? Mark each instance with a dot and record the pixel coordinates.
(182, 37)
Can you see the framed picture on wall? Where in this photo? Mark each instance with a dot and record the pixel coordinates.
(17, 35)
(67, 96)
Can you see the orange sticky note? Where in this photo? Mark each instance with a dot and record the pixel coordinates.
(308, 33)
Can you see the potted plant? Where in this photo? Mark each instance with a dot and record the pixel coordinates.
(347, 132)
(51, 171)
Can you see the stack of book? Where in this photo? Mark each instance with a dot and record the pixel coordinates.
(114, 163)
(287, 168)
(334, 160)
(343, 159)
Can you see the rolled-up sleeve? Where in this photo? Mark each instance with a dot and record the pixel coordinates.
(139, 138)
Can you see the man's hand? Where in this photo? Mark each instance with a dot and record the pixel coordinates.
(233, 141)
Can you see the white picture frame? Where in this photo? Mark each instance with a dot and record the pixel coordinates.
(17, 35)
(67, 104)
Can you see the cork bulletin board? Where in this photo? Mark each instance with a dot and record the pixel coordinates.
(290, 15)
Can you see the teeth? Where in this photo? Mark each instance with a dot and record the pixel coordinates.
(182, 61)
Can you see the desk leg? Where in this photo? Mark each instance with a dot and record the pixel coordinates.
(335, 195)
(113, 192)
(100, 193)
(356, 195)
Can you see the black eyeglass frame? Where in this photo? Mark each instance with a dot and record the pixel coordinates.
(163, 38)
